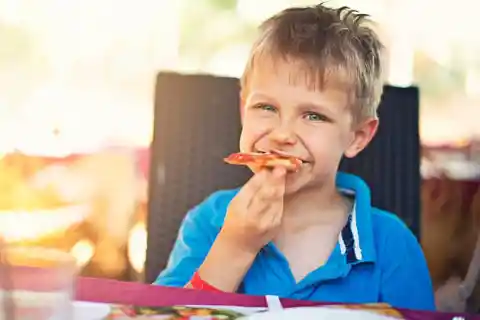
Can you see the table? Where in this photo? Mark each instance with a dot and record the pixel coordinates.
(133, 293)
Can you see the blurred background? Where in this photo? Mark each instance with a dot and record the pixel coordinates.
(77, 85)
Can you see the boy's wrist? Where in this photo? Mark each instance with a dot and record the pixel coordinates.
(226, 265)
(236, 247)
(199, 284)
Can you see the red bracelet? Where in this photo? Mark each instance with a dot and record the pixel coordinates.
(197, 283)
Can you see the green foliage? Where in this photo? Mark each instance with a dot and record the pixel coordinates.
(439, 82)
(16, 46)
(22, 63)
(209, 26)
(223, 4)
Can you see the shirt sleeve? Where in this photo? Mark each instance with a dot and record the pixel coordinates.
(406, 281)
(195, 238)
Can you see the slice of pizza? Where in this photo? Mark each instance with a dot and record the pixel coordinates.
(269, 160)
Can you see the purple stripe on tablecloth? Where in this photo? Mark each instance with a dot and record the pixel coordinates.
(133, 293)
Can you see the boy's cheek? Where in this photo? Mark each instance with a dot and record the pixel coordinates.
(244, 146)
(248, 138)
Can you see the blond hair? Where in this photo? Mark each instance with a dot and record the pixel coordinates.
(332, 46)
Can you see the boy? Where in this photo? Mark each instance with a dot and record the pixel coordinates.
(310, 90)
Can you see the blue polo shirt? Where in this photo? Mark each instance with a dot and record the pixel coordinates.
(376, 259)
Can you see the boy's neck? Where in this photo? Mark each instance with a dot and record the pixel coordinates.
(316, 206)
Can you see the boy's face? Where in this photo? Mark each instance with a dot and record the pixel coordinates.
(314, 125)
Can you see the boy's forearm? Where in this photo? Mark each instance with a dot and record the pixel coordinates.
(225, 266)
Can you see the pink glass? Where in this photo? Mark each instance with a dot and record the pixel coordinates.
(36, 283)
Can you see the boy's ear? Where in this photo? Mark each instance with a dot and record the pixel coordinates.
(363, 134)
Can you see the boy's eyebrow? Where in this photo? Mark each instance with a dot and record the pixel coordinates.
(309, 106)
(259, 96)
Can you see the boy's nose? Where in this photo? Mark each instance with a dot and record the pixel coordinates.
(283, 135)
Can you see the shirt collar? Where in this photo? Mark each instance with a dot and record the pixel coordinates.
(356, 239)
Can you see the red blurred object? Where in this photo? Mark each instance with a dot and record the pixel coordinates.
(199, 284)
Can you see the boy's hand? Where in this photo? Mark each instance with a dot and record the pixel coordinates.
(255, 214)
(253, 219)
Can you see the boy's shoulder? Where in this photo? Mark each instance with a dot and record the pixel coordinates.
(214, 207)
(392, 236)
(221, 199)
(387, 222)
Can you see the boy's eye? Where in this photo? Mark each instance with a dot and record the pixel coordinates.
(313, 116)
(266, 107)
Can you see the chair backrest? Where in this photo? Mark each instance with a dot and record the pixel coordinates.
(391, 163)
(197, 123)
